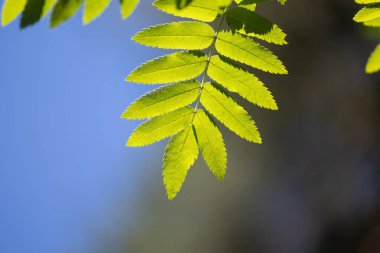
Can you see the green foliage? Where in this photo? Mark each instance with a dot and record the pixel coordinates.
(175, 67)
(11, 10)
(369, 16)
(163, 100)
(182, 110)
(34, 10)
(180, 154)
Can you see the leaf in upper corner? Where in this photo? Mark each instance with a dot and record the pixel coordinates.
(368, 13)
(373, 64)
(11, 10)
(244, 50)
(127, 7)
(180, 154)
(201, 10)
(93, 9)
(48, 6)
(367, 1)
(252, 24)
(211, 144)
(63, 11)
(163, 100)
(161, 127)
(236, 79)
(32, 13)
(179, 35)
(170, 68)
(227, 111)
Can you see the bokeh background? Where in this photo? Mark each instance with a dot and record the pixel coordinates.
(68, 183)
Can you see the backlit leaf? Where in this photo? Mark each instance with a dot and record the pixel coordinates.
(180, 154)
(170, 68)
(163, 100)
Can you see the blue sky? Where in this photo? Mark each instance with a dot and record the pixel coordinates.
(65, 175)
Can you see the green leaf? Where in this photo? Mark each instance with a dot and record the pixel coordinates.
(127, 7)
(48, 6)
(93, 9)
(367, 1)
(368, 13)
(32, 13)
(161, 127)
(227, 111)
(211, 144)
(250, 23)
(373, 23)
(11, 10)
(236, 79)
(180, 154)
(163, 100)
(63, 11)
(180, 35)
(244, 50)
(200, 10)
(373, 64)
(170, 68)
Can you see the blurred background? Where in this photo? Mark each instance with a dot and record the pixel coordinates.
(68, 183)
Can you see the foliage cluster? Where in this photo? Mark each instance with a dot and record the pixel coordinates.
(198, 84)
(369, 16)
(34, 10)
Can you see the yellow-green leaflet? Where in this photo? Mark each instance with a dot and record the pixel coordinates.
(370, 16)
(250, 23)
(11, 10)
(367, 1)
(211, 144)
(93, 8)
(49, 5)
(180, 154)
(64, 10)
(238, 80)
(161, 127)
(368, 13)
(170, 68)
(201, 10)
(373, 64)
(127, 7)
(180, 35)
(227, 111)
(373, 23)
(163, 100)
(239, 48)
